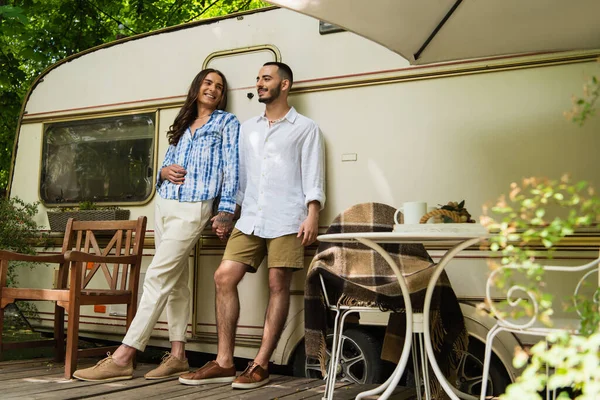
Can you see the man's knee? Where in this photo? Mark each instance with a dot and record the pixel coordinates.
(229, 274)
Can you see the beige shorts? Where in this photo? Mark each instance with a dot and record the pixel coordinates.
(283, 252)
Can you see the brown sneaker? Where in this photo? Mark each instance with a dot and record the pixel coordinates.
(211, 372)
(105, 370)
(169, 366)
(253, 376)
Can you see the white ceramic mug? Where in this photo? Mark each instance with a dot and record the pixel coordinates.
(413, 211)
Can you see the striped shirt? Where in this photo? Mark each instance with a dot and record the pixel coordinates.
(210, 157)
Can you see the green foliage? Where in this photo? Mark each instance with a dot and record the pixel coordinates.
(87, 205)
(543, 211)
(534, 218)
(538, 214)
(35, 34)
(576, 363)
(18, 231)
(590, 315)
(585, 107)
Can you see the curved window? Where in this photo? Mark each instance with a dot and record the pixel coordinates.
(104, 160)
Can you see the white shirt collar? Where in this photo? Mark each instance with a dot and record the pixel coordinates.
(291, 115)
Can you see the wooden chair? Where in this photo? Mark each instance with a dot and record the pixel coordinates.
(81, 259)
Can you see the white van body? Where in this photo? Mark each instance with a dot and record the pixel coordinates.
(394, 133)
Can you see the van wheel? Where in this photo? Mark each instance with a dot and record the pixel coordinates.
(360, 360)
(470, 372)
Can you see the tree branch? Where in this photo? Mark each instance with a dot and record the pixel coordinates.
(203, 11)
(109, 16)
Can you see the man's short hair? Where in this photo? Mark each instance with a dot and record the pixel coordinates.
(284, 71)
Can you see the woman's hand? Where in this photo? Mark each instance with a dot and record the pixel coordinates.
(173, 173)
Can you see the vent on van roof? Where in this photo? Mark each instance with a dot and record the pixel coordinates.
(326, 27)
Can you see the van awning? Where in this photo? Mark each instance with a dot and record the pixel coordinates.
(430, 31)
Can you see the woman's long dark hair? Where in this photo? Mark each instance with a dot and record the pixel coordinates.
(189, 111)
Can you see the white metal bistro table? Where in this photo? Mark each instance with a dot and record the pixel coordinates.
(458, 239)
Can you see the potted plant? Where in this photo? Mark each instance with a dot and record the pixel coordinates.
(86, 211)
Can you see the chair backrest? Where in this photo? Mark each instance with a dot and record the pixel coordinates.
(517, 293)
(104, 238)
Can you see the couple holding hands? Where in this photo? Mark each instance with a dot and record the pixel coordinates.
(270, 171)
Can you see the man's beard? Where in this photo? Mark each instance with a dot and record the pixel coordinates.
(275, 92)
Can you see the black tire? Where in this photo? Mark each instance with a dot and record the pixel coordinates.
(360, 360)
(470, 372)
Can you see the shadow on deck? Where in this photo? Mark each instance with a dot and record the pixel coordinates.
(42, 379)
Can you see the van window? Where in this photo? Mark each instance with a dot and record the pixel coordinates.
(104, 160)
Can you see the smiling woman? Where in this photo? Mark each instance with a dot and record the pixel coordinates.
(201, 163)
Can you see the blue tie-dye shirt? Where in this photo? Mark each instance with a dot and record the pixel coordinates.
(210, 157)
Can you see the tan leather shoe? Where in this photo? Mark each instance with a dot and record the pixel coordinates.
(170, 366)
(211, 372)
(105, 370)
(253, 376)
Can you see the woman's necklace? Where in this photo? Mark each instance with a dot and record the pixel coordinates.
(204, 116)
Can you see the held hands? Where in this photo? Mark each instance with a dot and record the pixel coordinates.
(222, 224)
(173, 173)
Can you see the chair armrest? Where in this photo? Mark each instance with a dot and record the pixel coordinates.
(12, 256)
(86, 257)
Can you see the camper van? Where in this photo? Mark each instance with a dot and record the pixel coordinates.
(93, 128)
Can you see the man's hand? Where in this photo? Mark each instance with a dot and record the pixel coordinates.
(310, 227)
(222, 224)
(173, 173)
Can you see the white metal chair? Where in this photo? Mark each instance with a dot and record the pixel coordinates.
(334, 367)
(531, 326)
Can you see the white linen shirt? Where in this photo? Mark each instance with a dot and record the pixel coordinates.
(282, 169)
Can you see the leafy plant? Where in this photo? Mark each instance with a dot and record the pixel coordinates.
(87, 205)
(543, 212)
(585, 107)
(575, 361)
(536, 215)
(19, 232)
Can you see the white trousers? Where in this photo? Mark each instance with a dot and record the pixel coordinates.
(178, 226)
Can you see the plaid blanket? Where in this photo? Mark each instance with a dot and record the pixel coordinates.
(356, 275)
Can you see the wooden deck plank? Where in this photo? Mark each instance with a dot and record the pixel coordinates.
(300, 391)
(17, 363)
(54, 385)
(227, 392)
(43, 379)
(311, 392)
(274, 390)
(170, 386)
(50, 371)
(350, 391)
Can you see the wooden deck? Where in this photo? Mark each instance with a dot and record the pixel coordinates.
(42, 379)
